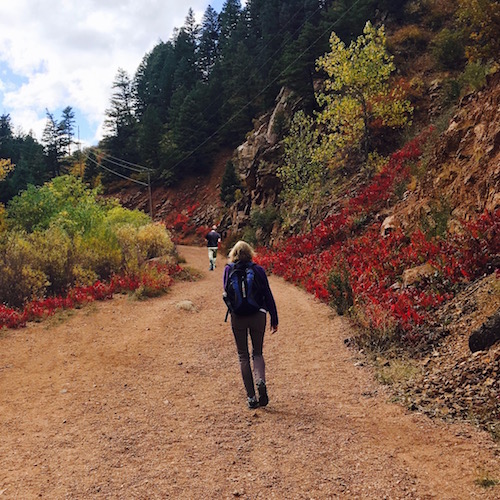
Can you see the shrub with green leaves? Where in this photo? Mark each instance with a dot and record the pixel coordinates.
(65, 199)
(118, 215)
(55, 256)
(264, 219)
(63, 234)
(21, 278)
(100, 252)
(448, 49)
(153, 241)
(340, 290)
(474, 76)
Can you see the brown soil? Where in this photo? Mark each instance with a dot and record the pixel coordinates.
(129, 399)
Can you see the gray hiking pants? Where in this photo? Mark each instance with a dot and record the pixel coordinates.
(242, 326)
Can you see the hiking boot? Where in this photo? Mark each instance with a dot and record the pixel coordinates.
(261, 387)
(253, 403)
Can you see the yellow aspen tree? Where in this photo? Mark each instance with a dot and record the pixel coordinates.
(6, 166)
(357, 94)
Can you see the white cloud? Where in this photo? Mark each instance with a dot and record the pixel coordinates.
(58, 53)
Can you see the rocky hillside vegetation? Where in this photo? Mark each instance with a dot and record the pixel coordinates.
(396, 227)
(418, 298)
(356, 145)
(417, 311)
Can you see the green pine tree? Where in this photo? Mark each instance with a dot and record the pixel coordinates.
(229, 185)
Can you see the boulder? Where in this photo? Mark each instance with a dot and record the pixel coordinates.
(416, 274)
(388, 225)
(486, 335)
(186, 305)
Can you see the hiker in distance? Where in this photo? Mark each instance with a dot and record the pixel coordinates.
(213, 240)
(249, 299)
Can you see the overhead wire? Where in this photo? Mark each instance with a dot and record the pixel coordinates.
(120, 163)
(125, 162)
(119, 174)
(330, 26)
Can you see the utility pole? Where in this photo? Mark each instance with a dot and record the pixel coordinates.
(80, 153)
(150, 195)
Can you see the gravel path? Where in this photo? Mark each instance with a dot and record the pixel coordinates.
(144, 400)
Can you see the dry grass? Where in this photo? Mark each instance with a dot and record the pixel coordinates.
(485, 480)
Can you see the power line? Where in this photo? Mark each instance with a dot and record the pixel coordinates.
(119, 174)
(122, 163)
(125, 162)
(331, 26)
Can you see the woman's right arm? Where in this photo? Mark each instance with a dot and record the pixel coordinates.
(269, 298)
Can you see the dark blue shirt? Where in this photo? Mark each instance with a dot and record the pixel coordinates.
(213, 238)
(269, 303)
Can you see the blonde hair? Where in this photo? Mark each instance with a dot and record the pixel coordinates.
(241, 252)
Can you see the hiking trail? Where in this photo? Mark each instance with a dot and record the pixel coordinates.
(128, 399)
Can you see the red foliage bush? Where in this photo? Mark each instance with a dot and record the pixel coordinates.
(181, 223)
(374, 264)
(157, 277)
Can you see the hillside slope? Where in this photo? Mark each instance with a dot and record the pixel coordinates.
(457, 179)
(462, 177)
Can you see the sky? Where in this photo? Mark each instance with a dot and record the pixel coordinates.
(59, 53)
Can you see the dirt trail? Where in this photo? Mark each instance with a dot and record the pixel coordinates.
(144, 400)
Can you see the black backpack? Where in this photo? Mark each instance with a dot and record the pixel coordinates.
(242, 293)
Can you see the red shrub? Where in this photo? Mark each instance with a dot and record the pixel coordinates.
(375, 265)
(156, 277)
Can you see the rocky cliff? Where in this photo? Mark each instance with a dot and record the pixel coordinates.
(462, 177)
(258, 158)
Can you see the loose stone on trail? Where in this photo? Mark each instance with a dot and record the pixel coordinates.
(186, 305)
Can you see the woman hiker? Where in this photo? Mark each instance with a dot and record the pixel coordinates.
(249, 316)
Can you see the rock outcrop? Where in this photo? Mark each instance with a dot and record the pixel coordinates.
(463, 171)
(486, 335)
(258, 159)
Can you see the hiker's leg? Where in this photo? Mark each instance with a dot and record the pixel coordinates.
(257, 326)
(239, 326)
(211, 258)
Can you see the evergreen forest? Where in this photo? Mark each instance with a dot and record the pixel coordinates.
(195, 93)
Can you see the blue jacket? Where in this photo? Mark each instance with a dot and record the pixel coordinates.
(269, 303)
